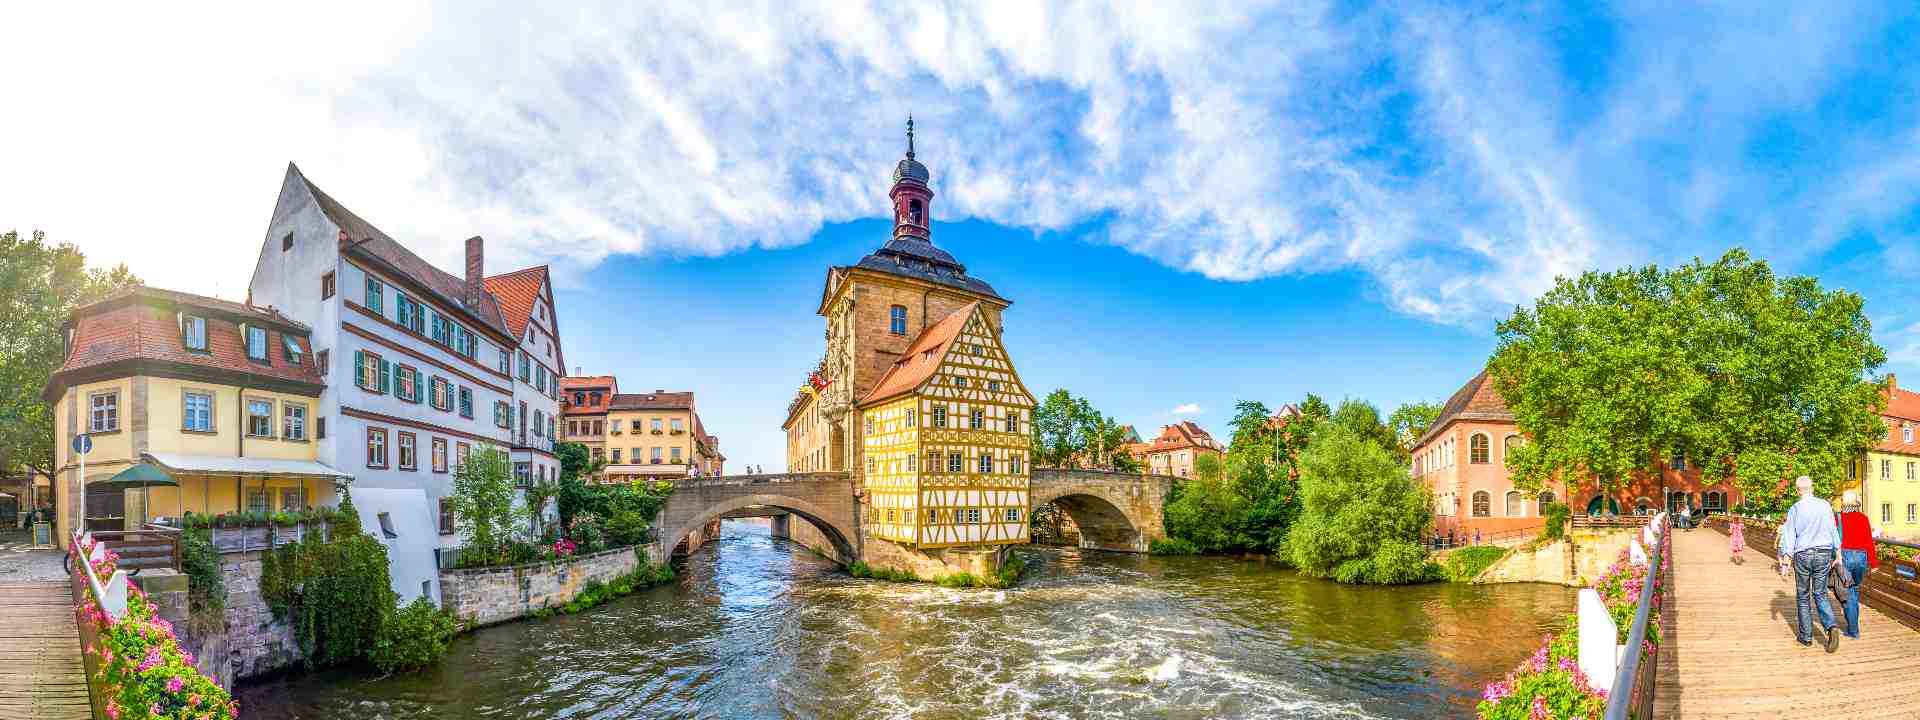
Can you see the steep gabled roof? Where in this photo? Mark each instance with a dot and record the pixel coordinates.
(138, 331)
(1476, 400)
(922, 357)
(516, 292)
(366, 240)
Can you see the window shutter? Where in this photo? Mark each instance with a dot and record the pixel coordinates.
(419, 389)
(360, 368)
(386, 376)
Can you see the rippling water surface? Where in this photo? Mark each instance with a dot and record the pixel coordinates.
(760, 628)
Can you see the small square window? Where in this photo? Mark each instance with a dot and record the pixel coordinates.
(326, 286)
(194, 333)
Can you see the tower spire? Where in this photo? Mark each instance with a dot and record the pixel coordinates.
(909, 134)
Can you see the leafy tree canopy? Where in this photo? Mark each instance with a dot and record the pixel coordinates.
(1411, 421)
(1754, 377)
(1361, 515)
(1070, 432)
(1363, 419)
(40, 285)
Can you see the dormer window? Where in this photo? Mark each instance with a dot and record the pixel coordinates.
(194, 331)
(292, 349)
(1906, 433)
(257, 343)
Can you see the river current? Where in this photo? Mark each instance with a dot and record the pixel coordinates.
(756, 627)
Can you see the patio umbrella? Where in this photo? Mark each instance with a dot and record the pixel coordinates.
(143, 476)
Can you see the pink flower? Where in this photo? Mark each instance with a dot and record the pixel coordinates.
(175, 683)
(153, 709)
(113, 709)
(153, 659)
(1498, 691)
(1540, 711)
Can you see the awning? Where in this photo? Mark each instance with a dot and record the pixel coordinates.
(241, 466)
(139, 475)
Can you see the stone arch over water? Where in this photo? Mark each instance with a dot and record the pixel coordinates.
(1115, 511)
(823, 499)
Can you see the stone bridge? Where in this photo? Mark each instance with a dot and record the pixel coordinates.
(1114, 511)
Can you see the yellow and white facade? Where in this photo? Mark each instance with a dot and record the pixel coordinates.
(947, 441)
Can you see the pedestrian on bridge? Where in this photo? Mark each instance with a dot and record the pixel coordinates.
(1857, 554)
(1810, 540)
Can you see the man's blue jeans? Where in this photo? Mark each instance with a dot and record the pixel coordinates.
(1856, 562)
(1810, 578)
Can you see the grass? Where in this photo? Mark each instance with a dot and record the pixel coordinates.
(1010, 572)
(1467, 563)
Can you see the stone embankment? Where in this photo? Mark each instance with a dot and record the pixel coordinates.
(492, 595)
(1573, 561)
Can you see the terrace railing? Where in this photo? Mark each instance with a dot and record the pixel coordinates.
(1627, 669)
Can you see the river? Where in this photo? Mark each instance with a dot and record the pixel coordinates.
(760, 628)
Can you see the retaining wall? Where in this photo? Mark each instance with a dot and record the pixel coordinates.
(486, 596)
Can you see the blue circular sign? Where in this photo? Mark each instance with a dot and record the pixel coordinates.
(83, 444)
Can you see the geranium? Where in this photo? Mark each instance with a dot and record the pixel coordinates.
(142, 669)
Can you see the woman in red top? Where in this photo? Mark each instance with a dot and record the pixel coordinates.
(1857, 553)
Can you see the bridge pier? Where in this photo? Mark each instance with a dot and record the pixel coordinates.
(782, 526)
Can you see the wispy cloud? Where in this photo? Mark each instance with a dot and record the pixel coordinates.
(1187, 409)
(1458, 157)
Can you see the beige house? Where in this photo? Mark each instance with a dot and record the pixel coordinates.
(658, 436)
(1176, 450)
(221, 396)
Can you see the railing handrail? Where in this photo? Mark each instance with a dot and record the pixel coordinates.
(114, 604)
(1620, 696)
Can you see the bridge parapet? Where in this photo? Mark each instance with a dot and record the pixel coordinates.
(1114, 510)
(824, 499)
(766, 479)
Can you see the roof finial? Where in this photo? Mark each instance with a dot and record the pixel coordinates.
(909, 135)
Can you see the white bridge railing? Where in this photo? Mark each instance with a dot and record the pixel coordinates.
(112, 593)
(1617, 666)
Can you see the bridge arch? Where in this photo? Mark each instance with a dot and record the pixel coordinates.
(823, 499)
(1115, 511)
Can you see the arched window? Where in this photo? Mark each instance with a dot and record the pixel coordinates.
(1511, 443)
(897, 320)
(915, 211)
(1482, 503)
(1477, 449)
(1546, 498)
(1516, 507)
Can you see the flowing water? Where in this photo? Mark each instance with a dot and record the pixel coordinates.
(760, 628)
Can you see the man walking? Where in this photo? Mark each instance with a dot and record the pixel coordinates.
(1810, 541)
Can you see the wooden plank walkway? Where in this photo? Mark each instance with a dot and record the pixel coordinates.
(41, 677)
(1731, 651)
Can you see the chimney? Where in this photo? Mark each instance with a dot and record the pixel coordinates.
(1892, 383)
(476, 271)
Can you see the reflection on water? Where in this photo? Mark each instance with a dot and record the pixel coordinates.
(760, 628)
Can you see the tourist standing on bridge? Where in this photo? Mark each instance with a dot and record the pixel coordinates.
(1856, 553)
(1810, 539)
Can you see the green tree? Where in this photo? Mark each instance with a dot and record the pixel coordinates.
(1363, 419)
(1069, 432)
(538, 494)
(573, 494)
(1362, 516)
(1411, 421)
(1269, 495)
(1754, 377)
(40, 285)
(483, 499)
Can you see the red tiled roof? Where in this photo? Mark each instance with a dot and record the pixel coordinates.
(1178, 436)
(586, 381)
(922, 356)
(1903, 407)
(516, 292)
(1476, 400)
(652, 401)
(140, 325)
(603, 385)
(363, 237)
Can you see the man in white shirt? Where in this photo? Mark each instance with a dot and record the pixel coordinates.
(1810, 541)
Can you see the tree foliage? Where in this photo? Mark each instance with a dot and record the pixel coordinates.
(483, 499)
(40, 285)
(1411, 421)
(1363, 419)
(1362, 516)
(1070, 432)
(1755, 378)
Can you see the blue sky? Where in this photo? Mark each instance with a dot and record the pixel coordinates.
(1189, 203)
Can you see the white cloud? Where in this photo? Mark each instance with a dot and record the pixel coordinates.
(1444, 153)
(1187, 409)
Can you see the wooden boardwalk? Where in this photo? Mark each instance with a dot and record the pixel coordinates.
(41, 677)
(1731, 651)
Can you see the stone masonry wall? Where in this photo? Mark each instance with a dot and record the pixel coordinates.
(254, 642)
(486, 596)
(1575, 561)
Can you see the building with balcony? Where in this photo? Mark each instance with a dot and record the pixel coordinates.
(224, 398)
(419, 366)
(658, 436)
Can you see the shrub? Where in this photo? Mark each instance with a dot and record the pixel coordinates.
(1361, 515)
(1174, 546)
(412, 636)
(1557, 515)
(585, 531)
(1549, 684)
(483, 498)
(207, 585)
(1467, 563)
(627, 527)
(335, 594)
(1010, 572)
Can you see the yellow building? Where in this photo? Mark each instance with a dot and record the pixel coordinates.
(1888, 475)
(947, 440)
(223, 397)
(658, 436)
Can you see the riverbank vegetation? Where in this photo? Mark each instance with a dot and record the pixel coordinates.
(595, 593)
(1069, 432)
(1749, 376)
(336, 594)
(498, 531)
(1321, 489)
(1465, 564)
(1010, 572)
